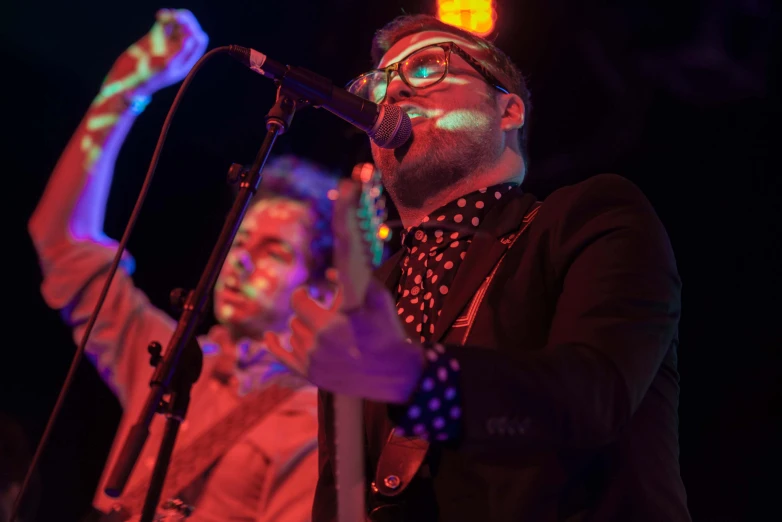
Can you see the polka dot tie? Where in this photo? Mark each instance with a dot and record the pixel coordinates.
(434, 251)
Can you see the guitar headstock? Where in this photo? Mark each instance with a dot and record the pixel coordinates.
(360, 232)
(372, 212)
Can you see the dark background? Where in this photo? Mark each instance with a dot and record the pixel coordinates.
(682, 99)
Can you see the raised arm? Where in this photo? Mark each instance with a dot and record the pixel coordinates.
(74, 202)
(67, 225)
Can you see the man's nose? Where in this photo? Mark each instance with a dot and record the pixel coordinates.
(242, 262)
(397, 89)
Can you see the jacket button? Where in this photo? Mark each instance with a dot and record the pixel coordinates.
(392, 481)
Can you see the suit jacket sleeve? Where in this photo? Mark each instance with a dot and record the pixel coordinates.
(613, 277)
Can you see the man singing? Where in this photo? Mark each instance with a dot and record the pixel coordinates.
(523, 351)
(266, 468)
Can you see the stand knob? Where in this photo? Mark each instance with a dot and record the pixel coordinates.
(154, 349)
(178, 298)
(236, 173)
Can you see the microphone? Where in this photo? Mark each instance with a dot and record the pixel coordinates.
(388, 126)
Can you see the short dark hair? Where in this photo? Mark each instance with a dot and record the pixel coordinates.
(292, 177)
(495, 60)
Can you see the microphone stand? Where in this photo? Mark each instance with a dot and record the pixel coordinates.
(179, 368)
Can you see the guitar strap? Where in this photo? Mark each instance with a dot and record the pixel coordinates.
(402, 457)
(192, 460)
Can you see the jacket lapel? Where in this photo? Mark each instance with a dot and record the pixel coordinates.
(485, 251)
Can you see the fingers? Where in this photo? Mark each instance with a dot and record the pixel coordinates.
(311, 313)
(336, 303)
(332, 276)
(193, 50)
(274, 345)
(194, 40)
(190, 24)
(302, 338)
(202, 42)
(180, 34)
(188, 21)
(164, 15)
(378, 298)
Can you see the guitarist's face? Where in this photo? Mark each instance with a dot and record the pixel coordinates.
(267, 261)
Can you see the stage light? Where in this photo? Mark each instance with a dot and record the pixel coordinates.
(475, 16)
(384, 233)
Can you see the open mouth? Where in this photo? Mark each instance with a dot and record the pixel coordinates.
(229, 286)
(413, 111)
(230, 292)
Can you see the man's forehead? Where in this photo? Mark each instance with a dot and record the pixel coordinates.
(279, 205)
(272, 211)
(413, 42)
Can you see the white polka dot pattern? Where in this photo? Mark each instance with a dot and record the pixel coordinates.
(435, 411)
(445, 235)
(425, 282)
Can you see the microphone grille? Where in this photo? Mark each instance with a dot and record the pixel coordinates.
(392, 129)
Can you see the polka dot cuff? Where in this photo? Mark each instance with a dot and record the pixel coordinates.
(434, 413)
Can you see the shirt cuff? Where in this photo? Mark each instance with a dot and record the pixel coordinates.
(434, 412)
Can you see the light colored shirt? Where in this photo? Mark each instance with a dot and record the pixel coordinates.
(269, 474)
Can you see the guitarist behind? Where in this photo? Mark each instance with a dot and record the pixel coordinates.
(227, 464)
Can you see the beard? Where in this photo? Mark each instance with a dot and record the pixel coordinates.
(435, 159)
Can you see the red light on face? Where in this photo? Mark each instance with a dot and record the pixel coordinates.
(475, 16)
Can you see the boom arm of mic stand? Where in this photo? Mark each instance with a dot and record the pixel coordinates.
(278, 120)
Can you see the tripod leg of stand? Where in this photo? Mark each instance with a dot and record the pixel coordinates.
(152, 499)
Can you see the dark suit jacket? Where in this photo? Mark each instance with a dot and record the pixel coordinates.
(568, 374)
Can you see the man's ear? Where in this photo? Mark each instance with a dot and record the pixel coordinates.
(513, 111)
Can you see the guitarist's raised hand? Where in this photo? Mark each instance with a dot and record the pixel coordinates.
(357, 346)
(362, 353)
(297, 354)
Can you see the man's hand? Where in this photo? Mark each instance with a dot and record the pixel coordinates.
(160, 58)
(362, 353)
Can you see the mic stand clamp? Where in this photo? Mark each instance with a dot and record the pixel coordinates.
(180, 366)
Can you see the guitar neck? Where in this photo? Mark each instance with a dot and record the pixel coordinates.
(358, 253)
(349, 441)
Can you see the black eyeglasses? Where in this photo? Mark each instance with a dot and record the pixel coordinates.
(420, 69)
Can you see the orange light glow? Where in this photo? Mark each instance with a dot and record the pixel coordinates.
(384, 233)
(475, 16)
(367, 170)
